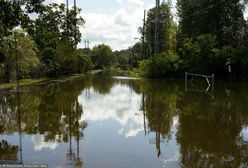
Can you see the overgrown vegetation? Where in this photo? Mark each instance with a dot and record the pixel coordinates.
(42, 47)
(209, 37)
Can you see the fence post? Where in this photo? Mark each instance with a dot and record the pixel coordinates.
(213, 86)
(186, 81)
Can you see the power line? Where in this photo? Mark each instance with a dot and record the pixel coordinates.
(156, 46)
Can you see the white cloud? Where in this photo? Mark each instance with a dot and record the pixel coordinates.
(40, 144)
(124, 109)
(244, 134)
(120, 1)
(246, 14)
(54, 1)
(121, 18)
(134, 4)
(118, 29)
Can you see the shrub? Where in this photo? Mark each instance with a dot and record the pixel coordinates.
(162, 65)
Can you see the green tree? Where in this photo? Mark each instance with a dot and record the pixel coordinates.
(54, 24)
(136, 53)
(56, 33)
(68, 60)
(199, 53)
(13, 14)
(221, 18)
(163, 65)
(102, 55)
(122, 57)
(166, 31)
(19, 50)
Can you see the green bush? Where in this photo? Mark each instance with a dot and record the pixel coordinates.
(162, 65)
(199, 52)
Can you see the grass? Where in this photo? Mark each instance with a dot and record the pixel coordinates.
(129, 73)
(26, 82)
(94, 71)
(22, 82)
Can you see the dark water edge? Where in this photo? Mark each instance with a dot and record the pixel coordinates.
(104, 120)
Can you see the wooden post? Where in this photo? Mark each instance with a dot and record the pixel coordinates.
(212, 86)
(186, 81)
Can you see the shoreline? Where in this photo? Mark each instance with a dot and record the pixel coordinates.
(30, 81)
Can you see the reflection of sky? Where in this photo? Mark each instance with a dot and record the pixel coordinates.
(121, 105)
(119, 111)
(40, 144)
(170, 149)
(114, 136)
(244, 134)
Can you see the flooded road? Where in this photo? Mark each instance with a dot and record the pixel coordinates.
(103, 121)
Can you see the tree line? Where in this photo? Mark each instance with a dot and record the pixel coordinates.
(38, 40)
(209, 37)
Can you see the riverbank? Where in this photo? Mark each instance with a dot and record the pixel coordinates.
(27, 82)
(23, 82)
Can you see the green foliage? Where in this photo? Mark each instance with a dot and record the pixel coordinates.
(102, 56)
(48, 55)
(8, 151)
(210, 33)
(221, 18)
(163, 65)
(122, 57)
(203, 55)
(167, 63)
(198, 53)
(136, 54)
(240, 62)
(166, 32)
(15, 13)
(18, 50)
(56, 33)
(54, 25)
(68, 60)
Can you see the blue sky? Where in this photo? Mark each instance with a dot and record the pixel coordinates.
(113, 22)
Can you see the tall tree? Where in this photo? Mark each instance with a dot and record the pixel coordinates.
(222, 18)
(13, 14)
(18, 49)
(55, 23)
(102, 55)
(166, 31)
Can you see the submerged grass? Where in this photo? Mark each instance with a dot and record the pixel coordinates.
(26, 82)
(22, 82)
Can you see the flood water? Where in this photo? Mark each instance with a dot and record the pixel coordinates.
(103, 121)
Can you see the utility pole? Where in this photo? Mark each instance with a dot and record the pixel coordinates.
(156, 46)
(18, 93)
(143, 36)
(67, 21)
(88, 46)
(75, 23)
(85, 44)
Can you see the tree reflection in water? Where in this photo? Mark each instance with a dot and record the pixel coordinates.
(159, 106)
(52, 111)
(210, 133)
(8, 152)
(209, 130)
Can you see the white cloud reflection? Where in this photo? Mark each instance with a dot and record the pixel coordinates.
(40, 144)
(121, 105)
(244, 134)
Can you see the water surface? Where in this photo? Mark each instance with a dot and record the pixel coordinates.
(102, 121)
